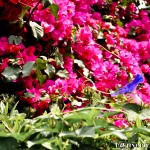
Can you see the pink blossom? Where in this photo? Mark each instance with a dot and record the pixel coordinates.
(47, 28)
(122, 123)
(109, 39)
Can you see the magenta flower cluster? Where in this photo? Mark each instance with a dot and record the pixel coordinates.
(101, 41)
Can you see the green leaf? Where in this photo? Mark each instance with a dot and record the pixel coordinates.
(69, 55)
(2, 127)
(119, 23)
(142, 130)
(112, 113)
(6, 109)
(8, 144)
(15, 39)
(19, 116)
(116, 106)
(28, 94)
(11, 73)
(11, 39)
(131, 106)
(145, 114)
(18, 136)
(59, 58)
(50, 70)
(47, 3)
(132, 115)
(79, 63)
(40, 64)
(125, 2)
(93, 113)
(54, 10)
(120, 135)
(27, 68)
(2, 108)
(101, 122)
(48, 145)
(67, 134)
(37, 30)
(100, 35)
(41, 78)
(18, 40)
(45, 142)
(86, 72)
(23, 12)
(132, 111)
(133, 138)
(96, 98)
(32, 143)
(146, 138)
(116, 133)
(13, 109)
(62, 73)
(86, 132)
(76, 103)
(77, 116)
(138, 122)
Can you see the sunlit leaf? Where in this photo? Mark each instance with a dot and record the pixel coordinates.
(62, 73)
(112, 113)
(11, 73)
(50, 70)
(146, 138)
(47, 3)
(145, 114)
(142, 130)
(59, 58)
(40, 63)
(86, 132)
(54, 10)
(37, 30)
(41, 78)
(116, 133)
(79, 63)
(27, 68)
(67, 134)
(138, 122)
(132, 106)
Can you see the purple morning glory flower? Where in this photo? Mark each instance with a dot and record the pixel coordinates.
(130, 86)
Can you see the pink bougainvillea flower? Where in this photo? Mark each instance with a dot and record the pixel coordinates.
(13, 49)
(86, 35)
(14, 1)
(122, 123)
(2, 4)
(4, 64)
(47, 27)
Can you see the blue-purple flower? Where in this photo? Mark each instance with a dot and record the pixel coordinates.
(131, 86)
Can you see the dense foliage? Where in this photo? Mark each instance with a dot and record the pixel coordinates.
(61, 63)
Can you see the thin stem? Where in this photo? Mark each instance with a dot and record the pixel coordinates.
(5, 124)
(25, 4)
(108, 51)
(33, 10)
(91, 82)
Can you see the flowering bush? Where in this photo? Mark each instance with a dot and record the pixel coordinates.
(76, 54)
